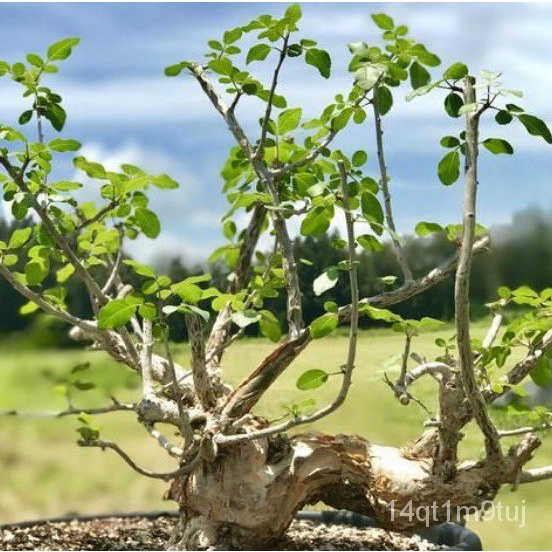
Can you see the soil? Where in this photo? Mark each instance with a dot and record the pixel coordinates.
(141, 533)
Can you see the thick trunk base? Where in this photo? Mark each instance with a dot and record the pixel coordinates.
(247, 498)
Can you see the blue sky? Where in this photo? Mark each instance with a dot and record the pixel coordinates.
(123, 109)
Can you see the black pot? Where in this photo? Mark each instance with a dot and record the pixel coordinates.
(450, 536)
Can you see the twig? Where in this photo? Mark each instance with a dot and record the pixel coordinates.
(266, 119)
(187, 468)
(384, 180)
(116, 407)
(173, 450)
(523, 430)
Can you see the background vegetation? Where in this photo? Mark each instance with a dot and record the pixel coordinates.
(521, 254)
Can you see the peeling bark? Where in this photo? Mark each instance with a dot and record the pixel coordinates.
(247, 497)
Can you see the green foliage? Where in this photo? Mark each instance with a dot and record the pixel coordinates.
(312, 379)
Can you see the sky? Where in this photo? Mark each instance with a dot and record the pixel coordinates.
(124, 110)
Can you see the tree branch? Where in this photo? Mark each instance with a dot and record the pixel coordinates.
(115, 407)
(409, 290)
(348, 368)
(294, 309)
(384, 181)
(202, 383)
(462, 286)
(187, 468)
(522, 368)
(266, 119)
(221, 327)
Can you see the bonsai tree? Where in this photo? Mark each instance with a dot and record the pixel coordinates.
(239, 479)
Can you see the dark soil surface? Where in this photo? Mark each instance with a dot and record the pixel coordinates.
(139, 533)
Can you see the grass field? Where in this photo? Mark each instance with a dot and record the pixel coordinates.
(44, 473)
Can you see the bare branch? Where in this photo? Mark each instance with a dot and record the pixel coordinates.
(221, 327)
(146, 357)
(522, 430)
(202, 383)
(384, 181)
(462, 285)
(97, 217)
(409, 290)
(536, 474)
(492, 333)
(269, 101)
(115, 407)
(142, 471)
(174, 451)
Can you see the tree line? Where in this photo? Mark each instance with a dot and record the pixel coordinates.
(521, 254)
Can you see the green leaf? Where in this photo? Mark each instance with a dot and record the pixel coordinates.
(35, 60)
(453, 104)
(319, 59)
(222, 66)
(258, 53)
(164, 182)
(419, 76)
(19, 238)
(116, 313)
(327, 280)
(497, 145)
(456, 71)
(311, 379)
(36, 270)
(66, 186)
(293, 13)
(317, 221)
(503, 117)
(536, 127)
(270, 326)
(56, 115)
(64, 145)
(324, 325)
(25, 117)
(427, 228)
(176, 69)
(385, 100)
(449, 142)
(340, 121)
(148, 222)
(369, 242)
(289, 120)
(141, 269)
(245, 318)
(359, 158)
(232, 35)
(91, 169)
(372, 211)
(541, 374)
(64, 273)
(383, 21)
(368, 74)
(84, 385)
(449, 168)
(62, 49)
(229, 229)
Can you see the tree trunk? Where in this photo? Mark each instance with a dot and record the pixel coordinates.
(248, 496)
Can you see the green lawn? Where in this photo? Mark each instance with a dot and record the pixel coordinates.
(44, 473)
